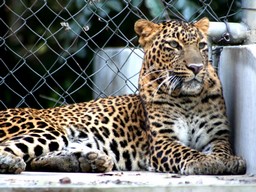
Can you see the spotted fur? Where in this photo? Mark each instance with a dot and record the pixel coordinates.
(177, 123)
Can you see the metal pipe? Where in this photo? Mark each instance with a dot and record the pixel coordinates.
(227, 33)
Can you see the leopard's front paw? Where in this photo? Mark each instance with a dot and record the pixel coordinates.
(95, 161)
(11, 164)
(235, 165)
(73, 161)
(204, 166)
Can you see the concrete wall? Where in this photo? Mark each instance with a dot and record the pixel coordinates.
(237, 71)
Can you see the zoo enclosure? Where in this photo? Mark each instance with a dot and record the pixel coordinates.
(49, 49)
(58, 52)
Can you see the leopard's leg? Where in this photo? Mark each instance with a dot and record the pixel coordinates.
(10, 163)
(168, 155)
(171, 156)
(85, 155)
(26, 138)
(222, 150)
(17, 152)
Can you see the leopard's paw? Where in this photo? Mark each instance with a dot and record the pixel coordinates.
(95, 161)
(11, 164)
(56, 161)
(73, 161)
(204, 166)
(235, 165)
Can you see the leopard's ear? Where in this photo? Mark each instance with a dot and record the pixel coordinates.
(146, 31)
(203, 25)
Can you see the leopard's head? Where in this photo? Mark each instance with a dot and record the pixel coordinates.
(176, 56)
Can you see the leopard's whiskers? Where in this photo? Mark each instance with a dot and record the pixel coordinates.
(160, 85)
(171, 82)
(152, 81)
(156, 79)
(176, 80)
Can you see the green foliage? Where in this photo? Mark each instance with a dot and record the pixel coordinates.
(155, 7)
(191, 9)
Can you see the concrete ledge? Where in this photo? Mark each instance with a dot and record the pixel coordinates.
(125, 181)
(237, 70)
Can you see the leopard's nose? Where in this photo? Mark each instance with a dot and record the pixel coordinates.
(195, 67)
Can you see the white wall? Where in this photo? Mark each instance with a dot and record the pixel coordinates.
(237, 71)
(117, 71)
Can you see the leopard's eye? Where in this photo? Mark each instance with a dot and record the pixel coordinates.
(174, 44)
(202, 45)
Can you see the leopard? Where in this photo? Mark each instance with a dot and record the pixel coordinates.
(176, 123)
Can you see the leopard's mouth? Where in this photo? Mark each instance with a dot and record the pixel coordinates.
(192, 87)
(185, 84)
(192, 78)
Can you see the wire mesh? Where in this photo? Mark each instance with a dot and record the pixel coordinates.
(48, 48)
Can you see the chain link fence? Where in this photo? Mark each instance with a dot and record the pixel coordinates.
(48, 48)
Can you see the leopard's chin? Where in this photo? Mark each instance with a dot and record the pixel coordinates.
(193, 87)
